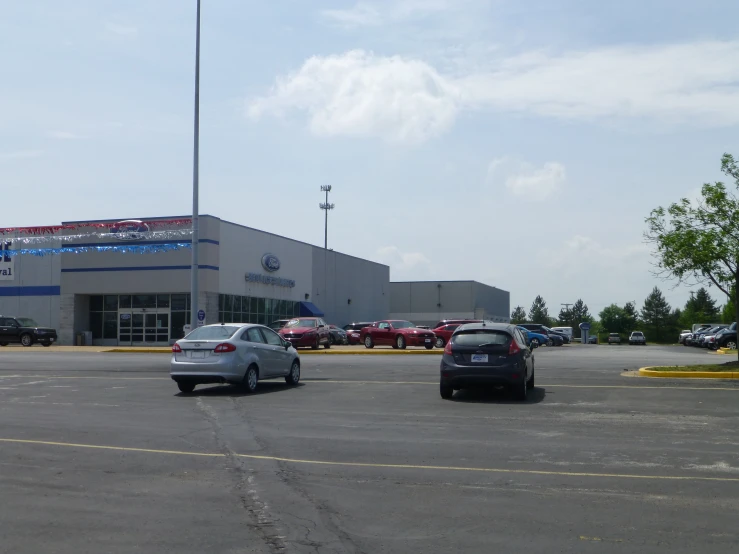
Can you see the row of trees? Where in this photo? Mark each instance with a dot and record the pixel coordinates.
(656, 318)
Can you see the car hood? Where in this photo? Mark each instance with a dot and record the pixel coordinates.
(45, 329)
(412, 331)
(302, 330)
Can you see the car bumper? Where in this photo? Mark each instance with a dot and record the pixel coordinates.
(412, 340)
(304, 341)
(225, 369)
(459, 376)
(354, 339)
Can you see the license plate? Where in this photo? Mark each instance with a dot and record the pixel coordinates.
(51, 340)
(479, 358)
(198, 354)
(428, 340)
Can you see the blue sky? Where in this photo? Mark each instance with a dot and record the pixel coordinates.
(517, 143)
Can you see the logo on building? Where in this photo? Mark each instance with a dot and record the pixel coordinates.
(131, 229)
(7, 262)
(270, 262)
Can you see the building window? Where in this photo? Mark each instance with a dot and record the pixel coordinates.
(246, 309)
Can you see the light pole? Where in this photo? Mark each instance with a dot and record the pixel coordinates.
(326, 207)
(194, 288)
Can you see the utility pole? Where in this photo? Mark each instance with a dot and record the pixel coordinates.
(325, 206)
(194, 286)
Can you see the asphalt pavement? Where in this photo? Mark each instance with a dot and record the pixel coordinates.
(100, 453)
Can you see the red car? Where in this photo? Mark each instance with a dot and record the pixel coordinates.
(308, 332)
(354, 331)
(444, 333)
(398, 334)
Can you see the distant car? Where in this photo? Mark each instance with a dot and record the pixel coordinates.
(444, 333)
(614, 338)
(338, 335)
(699, 339)
(25, 331)
(592, 339)
(398, 334)
(237, 353)
(637, 337)
(567, 331)
(307, 332)
(279, 324)
(533, 338)
(487, 354)
(683, 334)
(554, 334)
(354, 331)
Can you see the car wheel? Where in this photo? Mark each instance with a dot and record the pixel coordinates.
(535, 343)
(530, 384)
(521, 390)
(446, 391)
(3, 344)
(293, 377)
(429, 346)
(550, 342)
(46, 344)
(251, 379)
(439, 342)
(730, 344)
(315, 346)
(368, 343)
(400, 341)
(26, 340)
(185, 387)
(328, 345)
(331, 339)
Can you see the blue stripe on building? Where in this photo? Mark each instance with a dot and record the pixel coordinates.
(140, 242)
(30, 291)
(136, 268)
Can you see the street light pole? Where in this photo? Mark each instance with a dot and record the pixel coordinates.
(194, 288)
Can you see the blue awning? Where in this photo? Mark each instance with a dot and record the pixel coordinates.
(309, 309)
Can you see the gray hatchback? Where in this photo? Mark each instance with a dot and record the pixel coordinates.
(487, 354)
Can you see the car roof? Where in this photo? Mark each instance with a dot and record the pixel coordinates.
(508, 327)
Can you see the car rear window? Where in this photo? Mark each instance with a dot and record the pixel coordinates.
(218, 332)
(479, 337)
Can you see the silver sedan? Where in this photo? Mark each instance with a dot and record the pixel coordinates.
(236, 353)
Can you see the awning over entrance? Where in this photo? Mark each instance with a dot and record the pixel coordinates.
(309, 309)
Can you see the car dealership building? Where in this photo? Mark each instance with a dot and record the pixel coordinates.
(128, 282)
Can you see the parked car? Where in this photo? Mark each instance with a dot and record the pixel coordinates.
(235, 353)
(699, 339)
(567, 331)
(454, 321)
(683, 335)
(444, 333)
(637, 337)
(279, 324)
(398, 334)
(565, 338)
(338, 335)
(354, 331)
(727, 338)
(25, 331)
(614, 338)
(592, 339)
(307, 332)
(487, 354)
(533, 338)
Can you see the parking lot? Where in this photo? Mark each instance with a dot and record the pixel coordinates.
(100, 453)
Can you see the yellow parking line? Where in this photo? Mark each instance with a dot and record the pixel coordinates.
(298, 461)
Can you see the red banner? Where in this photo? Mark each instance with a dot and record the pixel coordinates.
(53, 229)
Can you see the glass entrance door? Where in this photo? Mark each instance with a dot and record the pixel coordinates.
(140, 327)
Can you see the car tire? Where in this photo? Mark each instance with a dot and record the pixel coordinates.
(315, 346)
(446, 391)
(293, 378)
(3, 344)
(429, 346)
(327, 345)
(440, 342)
(368, 342)
(531, 383)
(46, 344)
(331, 339)
(251, 379)
(535, 342)
(26, 339)
(730, 344)
(521, 390)
(550, 343)
(400, 341)
(185, 387)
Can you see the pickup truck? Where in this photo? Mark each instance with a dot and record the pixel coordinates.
(614, 338)
(637, 337)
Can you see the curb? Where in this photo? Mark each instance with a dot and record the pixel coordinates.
(323, 352)
(646, 372)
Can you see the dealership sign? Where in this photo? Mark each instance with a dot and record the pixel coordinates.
(270, 262)
(7, 263)
(131, 229)
(269, 280)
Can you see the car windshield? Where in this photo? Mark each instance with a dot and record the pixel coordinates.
(215, 332)
(302, 323)
(402, 324)
(479, 337)
(637, 334)
(26, 322)
(613, 334)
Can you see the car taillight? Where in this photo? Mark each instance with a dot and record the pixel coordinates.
(225, 347)
(176, 348)
(448, 347)
(514, 348)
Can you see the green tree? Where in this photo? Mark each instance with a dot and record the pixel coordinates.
(631, 317)
(656, 315)
(700, 241)
(728, 313)
(575, 316)
(702, 306)
(518, 315)
(613, 319)
(539, 312)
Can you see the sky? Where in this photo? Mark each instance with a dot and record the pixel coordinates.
(520, 143)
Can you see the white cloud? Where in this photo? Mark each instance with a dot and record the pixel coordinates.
(21, 154)
(524, 179)
(372, 14)
(63, 135)
(360, 94)
(402, 264)
(361, 15)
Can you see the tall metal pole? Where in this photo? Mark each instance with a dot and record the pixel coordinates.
(325, 226)
(194, 288)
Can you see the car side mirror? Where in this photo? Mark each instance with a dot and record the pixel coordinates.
(286, 344)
